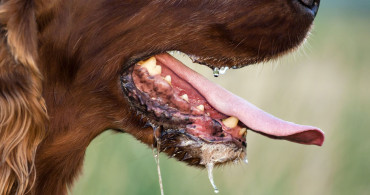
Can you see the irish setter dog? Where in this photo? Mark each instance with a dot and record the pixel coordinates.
(71, 69)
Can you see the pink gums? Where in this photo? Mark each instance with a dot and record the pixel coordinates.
(202, 124)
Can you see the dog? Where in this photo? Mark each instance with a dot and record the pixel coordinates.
(71, 69)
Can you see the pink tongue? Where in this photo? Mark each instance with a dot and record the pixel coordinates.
(232, 105)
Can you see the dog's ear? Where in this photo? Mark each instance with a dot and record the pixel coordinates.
(22, 109)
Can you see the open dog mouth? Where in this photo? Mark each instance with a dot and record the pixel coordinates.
(197, 121)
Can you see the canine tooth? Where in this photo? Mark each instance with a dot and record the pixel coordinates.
(168, 79)
(157, 70)
(230, 122)
(200, 107)
(185, 97)
(243, 132)
(151, 65)
(151, 62)
(154, 70)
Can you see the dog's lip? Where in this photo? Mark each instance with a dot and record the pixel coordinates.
(213, 62)
(232, 105)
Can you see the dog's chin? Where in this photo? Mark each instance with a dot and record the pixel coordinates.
(199, 152)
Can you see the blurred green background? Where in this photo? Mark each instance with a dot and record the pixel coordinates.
(326, 84)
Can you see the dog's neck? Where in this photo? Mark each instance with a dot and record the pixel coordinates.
(76, 118)
(58, 162)
(60, 156)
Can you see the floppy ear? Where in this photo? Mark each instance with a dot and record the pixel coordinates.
(22, 109)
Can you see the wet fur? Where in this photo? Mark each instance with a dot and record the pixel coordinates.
(60, 63)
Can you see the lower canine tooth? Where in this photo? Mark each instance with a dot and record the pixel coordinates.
(185, 97)
(243, 132)
(168, 79)
(230, 122)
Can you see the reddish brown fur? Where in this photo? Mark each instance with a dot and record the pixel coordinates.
(77, 51)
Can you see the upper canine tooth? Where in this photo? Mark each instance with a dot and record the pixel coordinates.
(243, 132)
(230, 122)
(168, 79)
(151, 62)
(200, 107)
(151, 65)
(157, 70)
(185, 97)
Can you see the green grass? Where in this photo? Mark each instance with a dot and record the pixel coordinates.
(326, 84)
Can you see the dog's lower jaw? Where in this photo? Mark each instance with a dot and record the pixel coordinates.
(197, 152)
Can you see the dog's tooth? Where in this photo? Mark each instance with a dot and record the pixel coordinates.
(200, 107)
(230, 122)
(185, 97)
(154, 70)
(168, 79)
(243, 132)
(151, 62)
(157, 70)
(151, 65)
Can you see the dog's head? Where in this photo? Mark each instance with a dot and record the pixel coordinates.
(105, 65)
(176, 109)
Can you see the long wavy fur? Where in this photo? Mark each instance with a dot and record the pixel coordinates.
(22, 109)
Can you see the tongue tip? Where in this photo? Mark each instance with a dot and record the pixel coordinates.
(312, 136)
(320, 138)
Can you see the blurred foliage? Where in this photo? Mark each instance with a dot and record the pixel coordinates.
(326, 83)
